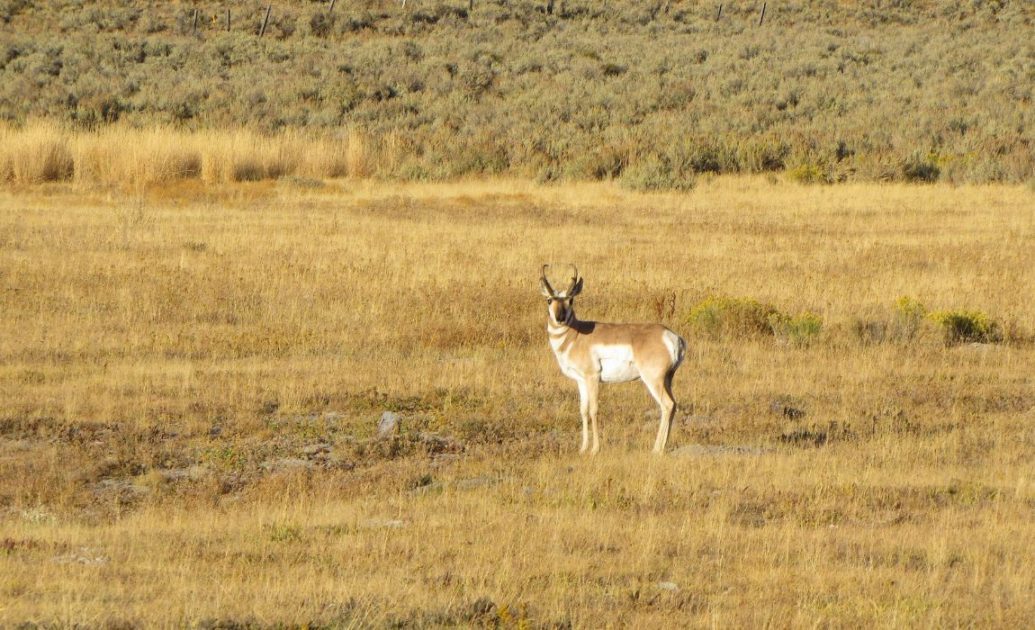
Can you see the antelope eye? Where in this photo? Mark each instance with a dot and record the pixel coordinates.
(549, 300)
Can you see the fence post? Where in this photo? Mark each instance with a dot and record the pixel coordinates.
(330, 7)
(718, 14)
(266, 20)
(228, 19)
(194, 22)
(762, 15)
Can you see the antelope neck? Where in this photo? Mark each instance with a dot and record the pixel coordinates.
(562, 335)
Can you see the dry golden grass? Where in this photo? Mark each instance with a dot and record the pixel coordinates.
(120, 156)
(172, 358)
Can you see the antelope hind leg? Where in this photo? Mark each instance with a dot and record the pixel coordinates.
(661, 391)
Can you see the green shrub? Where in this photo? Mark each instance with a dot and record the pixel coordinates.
(799, 330)
(908, 319)
(967, 326)
(725, 316)
(808, 174)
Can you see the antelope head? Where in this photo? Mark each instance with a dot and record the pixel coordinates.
(561, 305)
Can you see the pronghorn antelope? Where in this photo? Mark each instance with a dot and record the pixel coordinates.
(591, 353)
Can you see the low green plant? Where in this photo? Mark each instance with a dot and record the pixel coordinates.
(798, 330)
(967, 327)
(908, 318)
(808, 174)
(726, 316)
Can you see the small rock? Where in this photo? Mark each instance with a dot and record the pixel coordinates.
(215, 431)
(388, 424)
(668, 586)
(85, 555)
(436, 444)
(313, 450)
(191, 473)
(37, 515)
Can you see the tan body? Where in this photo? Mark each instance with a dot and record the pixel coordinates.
(591, 353)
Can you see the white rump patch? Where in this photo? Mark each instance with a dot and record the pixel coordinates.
(671, 341)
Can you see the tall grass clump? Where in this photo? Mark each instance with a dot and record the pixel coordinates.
(123, 156)
(358, 161)
(39, 152)
(908, 318)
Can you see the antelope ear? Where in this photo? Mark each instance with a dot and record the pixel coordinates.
(575, 290)
(545, 288)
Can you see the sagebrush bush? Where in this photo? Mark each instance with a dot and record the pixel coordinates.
(920, 169)
(727, 316)
(657, 173)
(967, 327)
(685, 94)
(908, 319)
(798, 330)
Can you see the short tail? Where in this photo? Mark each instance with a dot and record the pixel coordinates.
(681, 353)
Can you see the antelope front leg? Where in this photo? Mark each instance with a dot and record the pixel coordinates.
(592, 389)
(584, 412)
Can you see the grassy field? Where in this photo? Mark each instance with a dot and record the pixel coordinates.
(192, 375)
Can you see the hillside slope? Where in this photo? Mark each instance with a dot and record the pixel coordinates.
(655, 93)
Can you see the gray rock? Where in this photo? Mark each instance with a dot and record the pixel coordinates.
(37, 515)
(668, 586)
(191, 473)
(476, 482)
(389, 423)
(84, 555)
(315, 449)
(287, 463)
(121, 487)
(383, 523)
